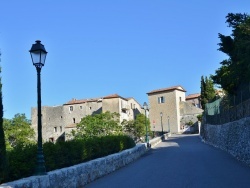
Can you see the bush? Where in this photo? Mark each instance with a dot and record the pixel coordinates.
(22, 159)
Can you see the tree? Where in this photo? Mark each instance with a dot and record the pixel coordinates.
(207, 91)
(202, 97)
(98, 125)
(140, 125)
(3, 158)
(18, 131)
(136, 128)
(235, 71)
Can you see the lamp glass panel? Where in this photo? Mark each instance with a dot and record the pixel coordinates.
(38, 57)
(35, 55)
(43, 57)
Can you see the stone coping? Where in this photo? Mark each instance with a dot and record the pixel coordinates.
(84, 173)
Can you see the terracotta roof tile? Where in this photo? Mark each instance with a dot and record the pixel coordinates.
(180, 88)
(114, 96)
(192, 96)
(81, 101)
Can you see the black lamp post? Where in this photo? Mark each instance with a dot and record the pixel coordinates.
(145, 107)
(161, 124)
(38, 56)
(168, 125)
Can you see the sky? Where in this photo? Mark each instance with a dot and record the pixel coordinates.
(97, 48)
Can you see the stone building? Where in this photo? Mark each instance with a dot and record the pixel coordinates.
(194, 99)
(167, 109)
(59, 121)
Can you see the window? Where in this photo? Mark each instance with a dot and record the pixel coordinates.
(74, 120)
(180, 99)
(90, 107)
(80, 107)
(60, 128)
(55, 129)
(132, 106)
(71, 108)
(161, 99)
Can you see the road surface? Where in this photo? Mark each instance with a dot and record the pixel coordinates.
(181, 161)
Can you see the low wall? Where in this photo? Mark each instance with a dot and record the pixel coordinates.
(233, 137)
(81, 174)
(84, 173)
(157, 140)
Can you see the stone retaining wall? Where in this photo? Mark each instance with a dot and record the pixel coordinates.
(81, 174)
(233, 137)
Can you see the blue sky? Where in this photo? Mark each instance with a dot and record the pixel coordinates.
(96, 48)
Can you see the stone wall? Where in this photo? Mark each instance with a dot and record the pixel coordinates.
(169, 108)
(81, 174)
(52, 122)
(233, 137)
(189, 112)
(84, 173)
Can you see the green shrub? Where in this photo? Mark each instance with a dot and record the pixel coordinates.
(22, 159)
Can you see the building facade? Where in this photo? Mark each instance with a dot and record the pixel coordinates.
(167, 110)
(194, 99)
(59, 121)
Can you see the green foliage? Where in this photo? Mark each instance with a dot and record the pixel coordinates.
(64, 154)
(18, 131)
(199, 117)
(136, 129)
(22, 161)
(103, 124)
(235, 71)
(207, 91)
(190, 123)
(3, 158)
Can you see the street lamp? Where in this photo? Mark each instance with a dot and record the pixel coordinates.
(161, 124)
(145, 107)
(38, 56)
(168, 125)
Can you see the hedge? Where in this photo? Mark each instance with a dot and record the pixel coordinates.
(22, 159)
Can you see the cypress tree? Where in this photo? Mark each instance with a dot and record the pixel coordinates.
(210, 91)
(3, 158)
(207, 91)
(202, 97)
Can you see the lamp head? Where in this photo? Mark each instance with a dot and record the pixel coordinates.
(38, 54)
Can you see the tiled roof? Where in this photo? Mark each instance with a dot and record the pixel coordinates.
(192, 96)
(114, 96)
(80, 101)
(180, 88)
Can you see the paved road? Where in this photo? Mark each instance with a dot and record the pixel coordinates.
(182, 161)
